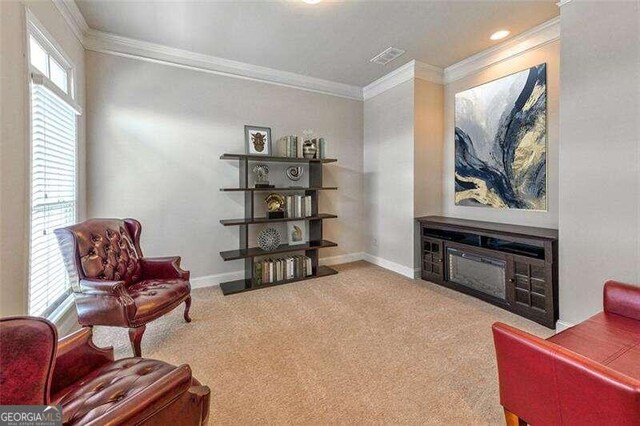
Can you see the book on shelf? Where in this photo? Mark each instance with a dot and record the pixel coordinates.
(307, 206)
(272, 270)
(322, 148)
(289, 146)
(299, 205)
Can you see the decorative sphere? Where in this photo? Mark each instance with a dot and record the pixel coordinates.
(268, 239)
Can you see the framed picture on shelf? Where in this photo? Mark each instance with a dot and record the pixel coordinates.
(297, 232)
(257, 140)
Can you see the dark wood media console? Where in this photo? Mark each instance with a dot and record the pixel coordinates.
(514, 267)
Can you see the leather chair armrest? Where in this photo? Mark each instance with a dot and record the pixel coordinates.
(77, 356)
(103, 302)
(92, 286)
(163, 268)
(543, 383)
(622, 299)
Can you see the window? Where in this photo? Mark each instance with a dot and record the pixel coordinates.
(53, 170)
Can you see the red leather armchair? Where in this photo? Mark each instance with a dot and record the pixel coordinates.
(588, 374)
(91, 387)
(113, 283)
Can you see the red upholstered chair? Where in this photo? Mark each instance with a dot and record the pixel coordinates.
(92, 388)
(588, 374)
(113, 283)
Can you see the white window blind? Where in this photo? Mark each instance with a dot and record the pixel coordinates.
(53, 195)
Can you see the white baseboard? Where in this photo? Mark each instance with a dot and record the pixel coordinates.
(216, 279)
(392, 266)
(343, 258)
(563, 325)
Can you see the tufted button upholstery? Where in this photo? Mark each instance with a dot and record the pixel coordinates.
(149, 295)
(113, 283)
(106, 388)
(92, 388)
(107, 252)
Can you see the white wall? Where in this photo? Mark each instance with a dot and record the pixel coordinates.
(428, 152)
(156, 134)
(549, 54)
(600, 152)
(15, 140)
(388, 168)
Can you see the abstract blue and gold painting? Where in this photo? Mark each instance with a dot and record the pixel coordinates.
(501, 142)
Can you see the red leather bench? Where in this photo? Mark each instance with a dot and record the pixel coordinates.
(588, 374)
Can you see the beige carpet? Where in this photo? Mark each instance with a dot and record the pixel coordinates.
(364, 346)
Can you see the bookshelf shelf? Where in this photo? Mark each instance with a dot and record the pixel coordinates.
(272, 158)
(283, 189)
(239, 286)
(259, 220)
(314, 222)
(282, 248)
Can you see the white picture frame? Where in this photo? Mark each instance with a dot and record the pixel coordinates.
(297, 232)
(257, 140)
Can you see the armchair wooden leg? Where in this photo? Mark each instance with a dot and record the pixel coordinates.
(135, 336)
(187, 303)
(512, 419)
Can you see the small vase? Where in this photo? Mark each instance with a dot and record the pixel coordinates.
(309, 150)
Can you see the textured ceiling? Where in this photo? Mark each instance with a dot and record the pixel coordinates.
(330, 40)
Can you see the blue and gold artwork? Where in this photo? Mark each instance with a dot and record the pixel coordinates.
(501, 142)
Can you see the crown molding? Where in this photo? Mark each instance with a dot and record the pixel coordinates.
(104, 42)
(388, 81)
(563, 2)
(534, 38)
(72, 15)
(428, 72)
(408, 71)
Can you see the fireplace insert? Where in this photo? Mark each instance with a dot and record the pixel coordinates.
(481, 273)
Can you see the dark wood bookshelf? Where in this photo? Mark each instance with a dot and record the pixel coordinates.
(315, 221)
(271, 158)
(283, 189)
(259, 220)
(239, 286)
(251, 252)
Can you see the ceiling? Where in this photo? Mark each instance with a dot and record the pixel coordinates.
(333, 40)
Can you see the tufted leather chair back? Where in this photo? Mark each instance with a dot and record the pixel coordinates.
(27, 354)
(103, 249)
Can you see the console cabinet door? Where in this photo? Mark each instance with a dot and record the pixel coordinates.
(529, 286)
(432, 259)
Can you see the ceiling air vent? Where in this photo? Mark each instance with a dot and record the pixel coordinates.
(387, 56)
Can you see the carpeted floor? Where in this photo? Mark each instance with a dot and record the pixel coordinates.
(365, 346)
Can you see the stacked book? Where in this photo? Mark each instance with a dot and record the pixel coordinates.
(289, 146)
(299, 205)
(272, 270)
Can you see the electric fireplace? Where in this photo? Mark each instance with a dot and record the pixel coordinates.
(481, 273)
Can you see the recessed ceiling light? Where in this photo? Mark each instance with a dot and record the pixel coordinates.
(499, 35)
(312, 1)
